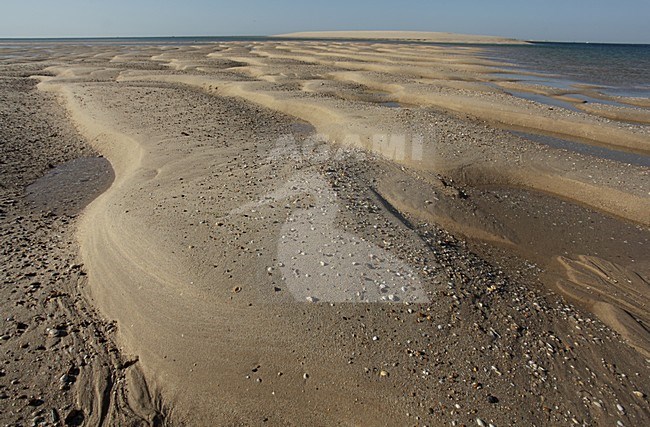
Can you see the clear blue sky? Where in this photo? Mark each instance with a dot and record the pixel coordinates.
(565, 20)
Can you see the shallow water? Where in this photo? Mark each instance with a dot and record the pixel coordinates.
(71, 186)
(549, 80)
(617, 68)
(593, 100)
(542, 99)
(591, 150)
(391, 104)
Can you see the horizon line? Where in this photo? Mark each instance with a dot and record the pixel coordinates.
(300, 38)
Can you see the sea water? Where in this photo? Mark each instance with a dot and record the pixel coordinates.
(615, 69)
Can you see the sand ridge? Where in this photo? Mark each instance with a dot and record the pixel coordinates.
(343, 124)
(151, 280)
(61, 363)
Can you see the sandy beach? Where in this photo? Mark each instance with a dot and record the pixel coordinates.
(317, 233)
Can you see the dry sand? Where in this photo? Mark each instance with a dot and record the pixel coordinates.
(258, 273)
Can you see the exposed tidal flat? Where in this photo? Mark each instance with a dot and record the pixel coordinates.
(319, 232)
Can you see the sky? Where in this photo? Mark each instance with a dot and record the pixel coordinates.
(616, 21)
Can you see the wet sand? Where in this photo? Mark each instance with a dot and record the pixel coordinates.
(268, 257)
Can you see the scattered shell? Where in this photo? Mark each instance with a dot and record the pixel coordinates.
(383, 374)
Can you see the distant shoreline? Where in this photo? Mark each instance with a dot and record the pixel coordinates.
(423, 36)
(209, 39)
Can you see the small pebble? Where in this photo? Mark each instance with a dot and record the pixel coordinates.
(35, 402)
(57, 333)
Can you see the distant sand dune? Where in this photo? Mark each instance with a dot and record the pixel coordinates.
(436, 37)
